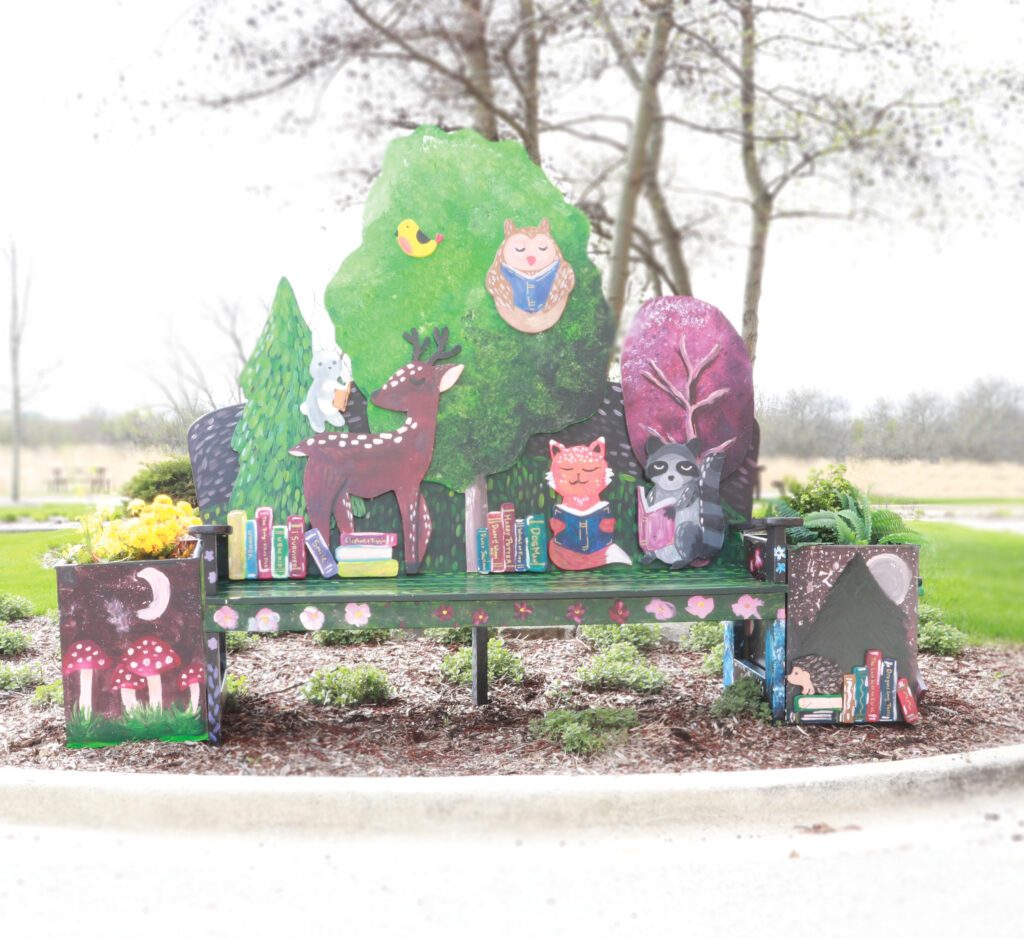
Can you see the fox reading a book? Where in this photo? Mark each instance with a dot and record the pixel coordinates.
(583, 525)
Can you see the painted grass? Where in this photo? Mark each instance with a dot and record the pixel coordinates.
(977, 578)
(20, 570)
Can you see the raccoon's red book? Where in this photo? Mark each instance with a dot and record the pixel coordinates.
(873, 661)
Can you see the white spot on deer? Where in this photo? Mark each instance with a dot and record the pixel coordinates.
(401, 430)
(400, 380)
(332, 436)
(321, 442)
(386, 436)
(362, 436)
(398, 439)
(342, 443)
(377, 442)
(393, 384)
(413, 425)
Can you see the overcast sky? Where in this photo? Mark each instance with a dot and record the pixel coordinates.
(135, 228)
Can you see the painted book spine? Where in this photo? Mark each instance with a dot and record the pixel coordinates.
(536, 544)
(816, 716)
(873, 662)
(296, 547)
(483, 551)
(833, 702)
(508, 531)
(888, 690)
(321, 553)
(251, 538)
(906, 698)
(279, 554)
(236, 545)
(496, 537)
(369, 568)
(519, 548)
(860, 694)
(368, 539)
(264, 543)
(347, 553)
(846, 715)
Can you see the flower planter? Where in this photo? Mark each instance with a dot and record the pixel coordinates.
(132, 652)
(845, 602)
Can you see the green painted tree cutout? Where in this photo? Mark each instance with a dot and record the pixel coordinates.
(275, 381)
(515, 384)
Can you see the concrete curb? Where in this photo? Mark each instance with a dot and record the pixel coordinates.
(492, 805)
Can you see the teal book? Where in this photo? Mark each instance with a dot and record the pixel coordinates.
(860, 694)
(536, 544)
(250, 549)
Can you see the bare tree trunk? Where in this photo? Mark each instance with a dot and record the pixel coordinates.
(531, 71)
(760, 197)
(637, 167)
(17, 318)
(474, 42)
(475, 517)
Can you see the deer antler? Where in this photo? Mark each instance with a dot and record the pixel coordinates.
(442, 352)
(418, 348)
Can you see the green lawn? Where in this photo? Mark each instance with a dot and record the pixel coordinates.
(20, 571)
(45, 511)
(977, 578)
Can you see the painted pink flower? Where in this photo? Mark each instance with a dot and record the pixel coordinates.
(311, 618)
(700, 606)
(523, 610)
(357, 613)
(480, 617)
(618, 612)
(748, 607)
(265, 620)
(661, 609)
(226, 617)
(576, 612)
(444, 613)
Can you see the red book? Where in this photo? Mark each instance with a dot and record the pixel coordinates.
(508, 531)
(496, 538)
(873, 661)
(296, 547)
(264, 543)
(368, 539)
(906, 698)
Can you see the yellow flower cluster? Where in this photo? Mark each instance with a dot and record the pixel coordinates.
(147, 532)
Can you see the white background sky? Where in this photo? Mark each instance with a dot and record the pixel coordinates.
(133, 232)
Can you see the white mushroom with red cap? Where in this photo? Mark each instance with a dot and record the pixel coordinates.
(192, 678)
(127, 683)
(84, 657)
(152, 657)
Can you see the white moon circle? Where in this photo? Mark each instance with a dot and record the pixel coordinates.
(892, 574)
(161, 588)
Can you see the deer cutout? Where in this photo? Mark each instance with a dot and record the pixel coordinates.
(340, 465)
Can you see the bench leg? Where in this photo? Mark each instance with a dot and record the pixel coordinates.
(216, 671)
(479, 665)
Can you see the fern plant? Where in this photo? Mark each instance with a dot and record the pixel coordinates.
(856, 522)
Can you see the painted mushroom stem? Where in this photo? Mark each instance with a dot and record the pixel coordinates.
(84, 657)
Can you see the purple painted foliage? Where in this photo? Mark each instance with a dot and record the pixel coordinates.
(684, 367)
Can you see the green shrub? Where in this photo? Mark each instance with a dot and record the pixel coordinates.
(12, 641)
(745, 696)
(935, 637)
(822, 491)
(584, 732)
(502, 665)
(639, 636)
(703, 636)
(240, 641)
(713, 662)
(622, 666)
(20, 676)
(351, 636)
(13, 608)
(172, 476)
(347, 687)
(458, 635)
(49, 695)
(236, 689)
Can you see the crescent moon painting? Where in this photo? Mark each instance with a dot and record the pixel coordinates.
(161, 588)
(892, 574)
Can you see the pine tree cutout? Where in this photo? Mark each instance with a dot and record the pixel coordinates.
(275, 381)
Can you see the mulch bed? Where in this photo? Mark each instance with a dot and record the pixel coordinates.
(429, 727)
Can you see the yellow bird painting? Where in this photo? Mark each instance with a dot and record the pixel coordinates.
(413, 241)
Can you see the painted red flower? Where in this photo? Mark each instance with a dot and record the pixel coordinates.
(576, 612)
(480, 617)
(523, 610)
(618, 612)
(444, 613)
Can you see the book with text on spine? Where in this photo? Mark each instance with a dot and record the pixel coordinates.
(873, 662)
(344, 553)
(368, 539)
(496, 539)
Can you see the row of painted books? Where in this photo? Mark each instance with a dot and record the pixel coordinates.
(873, 693)
(512, 545)
(258, 549)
